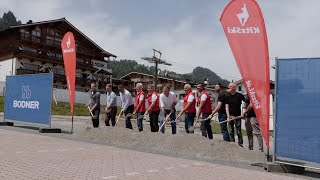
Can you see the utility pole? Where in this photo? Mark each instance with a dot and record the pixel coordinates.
(156, 61)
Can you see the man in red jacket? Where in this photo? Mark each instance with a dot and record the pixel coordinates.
(140, 106)
(205, 108)
(153, 108)
(189, 108)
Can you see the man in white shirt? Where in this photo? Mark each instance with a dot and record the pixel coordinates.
(168, 103)
(111, 108)
(127, 104)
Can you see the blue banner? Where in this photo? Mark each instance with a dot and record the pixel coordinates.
(28, 98)
(297, 132)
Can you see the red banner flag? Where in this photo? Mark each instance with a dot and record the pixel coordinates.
(244, 27)
(69, 58)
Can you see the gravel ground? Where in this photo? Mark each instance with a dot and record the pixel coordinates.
(182, 144)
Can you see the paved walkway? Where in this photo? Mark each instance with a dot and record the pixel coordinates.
(31, 156)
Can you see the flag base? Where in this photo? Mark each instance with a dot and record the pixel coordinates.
(49, 130)
(6, 123)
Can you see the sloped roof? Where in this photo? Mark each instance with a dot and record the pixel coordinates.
(67, 22)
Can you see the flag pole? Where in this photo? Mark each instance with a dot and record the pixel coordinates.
(72, 124)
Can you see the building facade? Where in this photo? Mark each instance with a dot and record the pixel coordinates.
(146, 79)
(36, 48)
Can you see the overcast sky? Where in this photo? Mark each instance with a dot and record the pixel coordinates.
(188, 32)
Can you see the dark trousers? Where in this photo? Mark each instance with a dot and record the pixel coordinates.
(188, 122)
(154, 120)
(140, 116)
(172, 118)
(223, 126)
(111, 115)
(128, 112)
(95, 117)
(231, 125)
(205, 127)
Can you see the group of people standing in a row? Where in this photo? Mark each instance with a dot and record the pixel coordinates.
(162, 106)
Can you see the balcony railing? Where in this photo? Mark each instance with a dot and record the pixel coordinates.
(81, 81)
(53, 42)
(50, 59)
(26, 71)
(59, 78)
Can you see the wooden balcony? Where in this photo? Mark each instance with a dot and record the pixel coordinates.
(44, 58)
(59, 78)
(27, 71)
(82, 82)
(49, 43)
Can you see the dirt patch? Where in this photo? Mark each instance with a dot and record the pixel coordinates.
(182, 144)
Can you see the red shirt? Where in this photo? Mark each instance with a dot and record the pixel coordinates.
(156, 106)
(143, 105)
(207, 105)
(192, 107)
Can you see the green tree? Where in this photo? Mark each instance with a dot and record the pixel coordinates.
(8, 19)
(123, 67)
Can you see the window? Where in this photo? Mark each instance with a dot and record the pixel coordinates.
(24, 31)
(58, 34)
(31, 67)
(36, 33)
(51, 54)
(28, 49)
(58, 41)
(36, 36)
(57, 71)
(239, 88)
(78, 75)
(59, 56)
(54, 70)
(61, 71)
(50, 31)
(80, 60)
(49, 40)
(24, 34)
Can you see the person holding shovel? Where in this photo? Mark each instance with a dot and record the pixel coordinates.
(205, 108)
(94, 104)
(127, 105)
(140, 106)
(223, 110)
(111, 108)
(235, 111)
(252, 125)
(168, 101)
(153, 108)
(189, 108)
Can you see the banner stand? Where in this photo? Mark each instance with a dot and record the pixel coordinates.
(29, 84)
(72, 124)
(6, 124)
(50, 129)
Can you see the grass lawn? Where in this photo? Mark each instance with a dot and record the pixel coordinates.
(1, 103)
(62, 108)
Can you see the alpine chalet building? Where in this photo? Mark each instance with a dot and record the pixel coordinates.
(36, 48)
